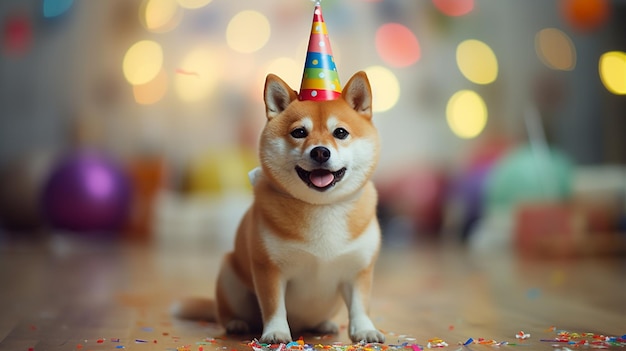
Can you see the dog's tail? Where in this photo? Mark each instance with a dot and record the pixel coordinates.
(197, 308)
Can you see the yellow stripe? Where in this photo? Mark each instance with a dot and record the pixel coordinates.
(319, 27)
(321, 84)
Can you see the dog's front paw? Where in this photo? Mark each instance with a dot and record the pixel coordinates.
(275, 338)
(369, 336)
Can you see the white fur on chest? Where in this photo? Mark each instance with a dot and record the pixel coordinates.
(327, 240)
(315, 268)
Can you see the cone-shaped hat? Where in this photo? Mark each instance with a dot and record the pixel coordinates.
(320, 80)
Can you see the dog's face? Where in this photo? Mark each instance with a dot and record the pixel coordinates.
(319, 152)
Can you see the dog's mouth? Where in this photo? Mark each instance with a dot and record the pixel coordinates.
(320, 179)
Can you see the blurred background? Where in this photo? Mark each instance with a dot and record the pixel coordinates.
(503, 122)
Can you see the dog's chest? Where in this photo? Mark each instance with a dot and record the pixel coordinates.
(328, 250)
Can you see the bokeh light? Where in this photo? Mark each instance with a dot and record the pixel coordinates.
(17, 35)
(54, 8)
(612, 67)
(466, 114)
(385, 88)
(477, 61)
(454, 7)
(193, 4)
(287, 69)
(199, 74)
(160, 15)
(142, 62)
(555, 49)
(585, 15)
(397, 45)
(152, 91)
(248, 31)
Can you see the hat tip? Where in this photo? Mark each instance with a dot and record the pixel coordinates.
(320, 80)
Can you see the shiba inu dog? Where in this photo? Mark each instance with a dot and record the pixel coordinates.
(309, 241)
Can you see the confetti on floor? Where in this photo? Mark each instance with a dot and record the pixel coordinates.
(561, 340)
(587, 339)
(565, 338)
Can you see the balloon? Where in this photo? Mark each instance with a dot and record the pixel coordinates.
(523, 175)
(470, 189)
(221, 173)
(470, 185)
(87, 192)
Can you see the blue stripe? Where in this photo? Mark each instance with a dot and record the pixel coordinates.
(323, 61)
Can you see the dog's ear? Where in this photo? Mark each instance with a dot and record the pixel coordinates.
(278, 95)
(358, 94)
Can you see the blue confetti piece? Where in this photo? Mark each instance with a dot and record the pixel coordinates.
(293, 343)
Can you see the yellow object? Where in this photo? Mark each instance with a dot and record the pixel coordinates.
(220, 172)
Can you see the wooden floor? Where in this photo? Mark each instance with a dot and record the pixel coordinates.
(64, 294)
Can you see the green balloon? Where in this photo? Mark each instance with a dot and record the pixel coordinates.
(528, 174)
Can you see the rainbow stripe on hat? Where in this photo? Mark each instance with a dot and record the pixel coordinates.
(320, 80)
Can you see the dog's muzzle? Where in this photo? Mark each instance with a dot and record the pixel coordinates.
(320, 179)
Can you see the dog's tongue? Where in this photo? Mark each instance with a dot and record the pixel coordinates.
(321, 178)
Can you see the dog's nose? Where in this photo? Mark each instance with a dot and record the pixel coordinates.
(320, 154)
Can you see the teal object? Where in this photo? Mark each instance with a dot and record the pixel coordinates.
(529, 174)
(54, 8)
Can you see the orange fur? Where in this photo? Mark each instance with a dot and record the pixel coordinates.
(300, 249)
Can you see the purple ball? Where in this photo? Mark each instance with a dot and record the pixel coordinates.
(87, 192)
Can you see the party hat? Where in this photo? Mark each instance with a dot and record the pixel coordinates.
(320, 80)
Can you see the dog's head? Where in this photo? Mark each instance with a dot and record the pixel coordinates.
(319, 151)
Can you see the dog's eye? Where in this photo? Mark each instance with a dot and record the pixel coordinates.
(340, 133)
(299, 133)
